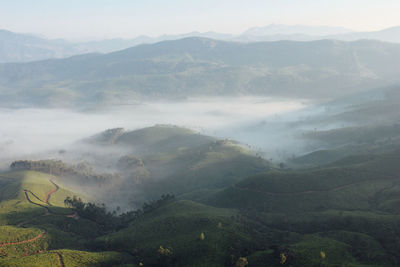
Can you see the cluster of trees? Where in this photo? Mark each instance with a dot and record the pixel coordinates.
(108, 137)
(82, 170)
(111, 220)
(146, 208)
(129, 161)
(97, 213)
(56, 167)
(133, 168)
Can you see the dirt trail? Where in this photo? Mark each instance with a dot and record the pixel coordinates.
(24, 241)
(48, 195)
(60, 259)
(34, 203)
(46, 201)
(48, 212)
(74, 215)
(35, 196)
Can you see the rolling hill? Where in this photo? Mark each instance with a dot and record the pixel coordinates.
(358, 126)
(170, 159)
(353, 203)
(142, 165)
(36, 228)
(231, 207)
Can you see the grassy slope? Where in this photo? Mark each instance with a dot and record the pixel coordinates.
(178, 226)
(360, 199)
(54, 231)
(348, 210)
(179, 161)
(361, 141)
(71, 258)
(208, 167)
(162, 138)
(361, 186)
(188, 164)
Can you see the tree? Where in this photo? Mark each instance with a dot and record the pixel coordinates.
(241, 262)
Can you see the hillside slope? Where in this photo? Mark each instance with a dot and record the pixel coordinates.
(345, 213)
(183, 162)
(359, 197)
(35, 225)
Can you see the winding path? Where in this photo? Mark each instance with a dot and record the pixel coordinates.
(48, 195)
(48, 212)
(35, 196)
(24, 241)
(60, 259)
(34, 203)
(46, 201)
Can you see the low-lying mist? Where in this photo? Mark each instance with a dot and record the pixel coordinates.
(265, 124)
(273, 128)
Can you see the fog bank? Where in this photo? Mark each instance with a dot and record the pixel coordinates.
(26, 132)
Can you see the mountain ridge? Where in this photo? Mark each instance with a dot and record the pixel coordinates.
(17, 47)
(198, 66)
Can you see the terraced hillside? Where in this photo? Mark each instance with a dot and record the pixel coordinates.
(35, 224)
(231, 208)
(355, 204)
(195, 235)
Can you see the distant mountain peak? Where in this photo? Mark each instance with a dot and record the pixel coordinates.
(281, 29)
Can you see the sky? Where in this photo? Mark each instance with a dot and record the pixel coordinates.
(98, 19)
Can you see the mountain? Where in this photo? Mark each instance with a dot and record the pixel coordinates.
(386, 35)
(307, 33)
(24, 47)
(279, 29)
(278, 32)
(203, 67)
(112, 45)
(17, 47)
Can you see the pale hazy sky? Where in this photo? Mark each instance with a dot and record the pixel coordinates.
(87, 19)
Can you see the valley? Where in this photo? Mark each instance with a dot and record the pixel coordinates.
(217, 201)
(171, 196)
(181, 134)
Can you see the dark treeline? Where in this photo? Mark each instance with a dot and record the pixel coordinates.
(57, 167)
(110, 220)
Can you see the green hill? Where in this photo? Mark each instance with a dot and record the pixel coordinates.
(231, 208)
(360, 198)
(195, 235)
(182, 162)
(370, 126)
(35, 224)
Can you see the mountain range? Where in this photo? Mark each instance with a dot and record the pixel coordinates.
(203, 67)
(15, 47)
